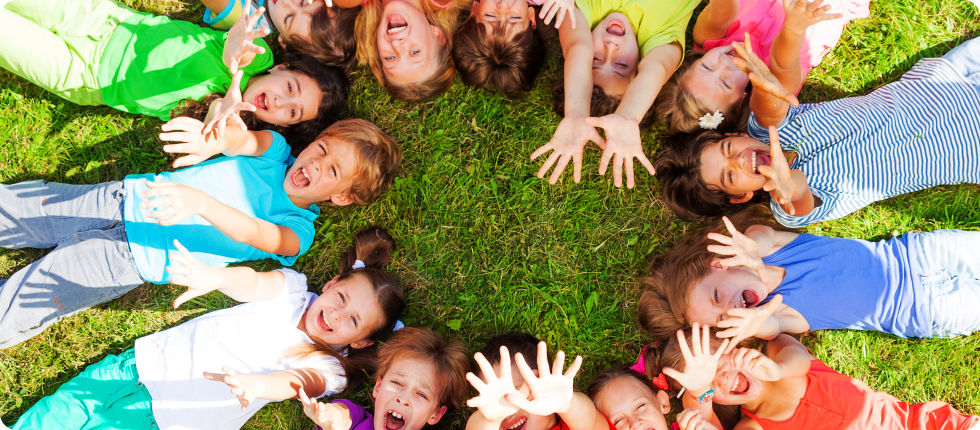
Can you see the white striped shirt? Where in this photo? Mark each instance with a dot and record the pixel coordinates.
(916, 133)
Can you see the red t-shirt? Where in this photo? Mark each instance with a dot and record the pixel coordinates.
(562, 426)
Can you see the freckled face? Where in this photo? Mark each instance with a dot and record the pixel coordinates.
(407, 43)
(715, 80)
(616, 54)
(631, 406)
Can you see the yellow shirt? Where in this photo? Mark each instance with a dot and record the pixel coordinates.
(655, 22)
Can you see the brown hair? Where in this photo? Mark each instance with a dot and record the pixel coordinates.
(659, 355)
(662, 309)
(515, 342)
(446, 19)
(373, 246)
(601, 103)
(677, 107)
(334, 87)
(332, 40)
(679, 171)
(448, 358)
(611, 374)
(378, 156)
(489, 60)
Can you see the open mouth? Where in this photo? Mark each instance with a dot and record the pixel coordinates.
(517, 424)
(616, 28)
(394, 421)
(300, 178)
(261, 102)
(741, 385)
(322, 323)
(760, 158)
(396, 24)
(749, 298)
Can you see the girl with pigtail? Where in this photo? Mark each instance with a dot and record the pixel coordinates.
(283, 340)
(783, 387)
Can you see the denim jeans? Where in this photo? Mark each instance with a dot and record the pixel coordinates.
(949, 261)
(90, 264)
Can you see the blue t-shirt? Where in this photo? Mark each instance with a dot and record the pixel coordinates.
(854, 284)
(253, 185)
(917, 133)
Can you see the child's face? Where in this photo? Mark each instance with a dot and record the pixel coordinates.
(715, 80)
(292, 17)
(345, 313)
(616, 54)
(731, 165)
(522, 419)
(407, 43)
(724, 289)
(631, 406)
(325, 170)
(733, 386)
(283, 97)
(514, 15)
(406, 397)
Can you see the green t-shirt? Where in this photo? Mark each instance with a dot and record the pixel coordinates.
(152, 62)
(656, 22)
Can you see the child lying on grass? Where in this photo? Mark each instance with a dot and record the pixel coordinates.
(282, 343)
(785, 388)
(770, 281)
(420, 375)
(917, 133)
(257, 202)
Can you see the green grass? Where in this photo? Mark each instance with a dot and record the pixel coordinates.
(484, 246)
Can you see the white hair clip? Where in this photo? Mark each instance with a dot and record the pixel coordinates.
(398, 325)
(711, 121)
(358, 264)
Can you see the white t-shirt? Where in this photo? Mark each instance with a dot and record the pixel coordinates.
(249, 338)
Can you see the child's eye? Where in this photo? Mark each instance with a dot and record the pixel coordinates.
(726, 85)
(333, 171)
(490, 17)
(623, 65)
(292, 112)
(289, 88)
(730, 180)
(416, 52)
(618, 422)
(397, 383)
(342, 298)
(354, 321)
(716, 296)
(640, 406)
(422, 395)
(390, 58)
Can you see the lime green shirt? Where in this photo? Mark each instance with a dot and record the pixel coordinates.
(655, 22)
(151, 63)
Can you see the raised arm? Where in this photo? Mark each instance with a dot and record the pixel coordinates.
(714, 20)
(239, 50)
(784, 57)
(770, 100)
(242, 284)
(274, 386)
(188, 132)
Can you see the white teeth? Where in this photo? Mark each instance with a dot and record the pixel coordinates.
(396, 415)
(396, 29)
(517, 424)
(743, 301)
(738, 378)
(303, 169)
(323, 316)
(754, 169)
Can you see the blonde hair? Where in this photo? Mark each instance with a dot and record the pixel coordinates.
(377, 157)
(680, 110)
(445, 18)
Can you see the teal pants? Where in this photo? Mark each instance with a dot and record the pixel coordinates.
(106, 395)
(58, 44)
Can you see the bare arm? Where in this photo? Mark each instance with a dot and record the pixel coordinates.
(200, 147)
(784, 58)
(215, 6)
(714, 20)
(582, 414)
(652, 72)
(242, 284)
(576, 47)
(790, 354)
(274, 386)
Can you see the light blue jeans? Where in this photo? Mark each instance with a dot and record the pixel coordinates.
(90, 264)
(950, 265)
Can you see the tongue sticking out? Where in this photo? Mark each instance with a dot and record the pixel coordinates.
(762, 159)
(300, 179)
(616, 28)
(393, 423)
(396, 23)
(750, 297)
(741, 385)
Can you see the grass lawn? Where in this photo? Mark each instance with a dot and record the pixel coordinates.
(484, 246)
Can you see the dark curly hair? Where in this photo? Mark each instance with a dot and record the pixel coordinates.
(601, 104)
(333, 84)
(490, 60)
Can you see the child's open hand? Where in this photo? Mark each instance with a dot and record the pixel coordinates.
(569, 140)
(779, 184)
(744, 250)
(199, 278)
(244, 386)
(227, 108)
(560, 7)
(329, 416)
(760, 75)
(198, 146)
(743, 323)
(801, 14)
(239, 48)
(690, 419)
(552, 392)
(490, 400)
(757, 364)
(622, 146)
(699, 363)
(172, 202)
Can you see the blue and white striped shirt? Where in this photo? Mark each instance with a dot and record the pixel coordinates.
(916, 133)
